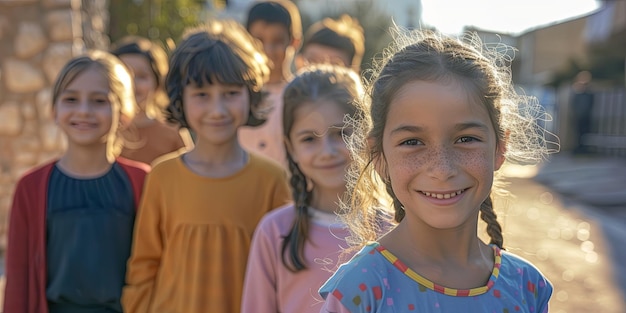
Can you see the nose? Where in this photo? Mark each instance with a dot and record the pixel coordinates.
(83, 107)
(217, 109)
(442, 163)
(329, 146)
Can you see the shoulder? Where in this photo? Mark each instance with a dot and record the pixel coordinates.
(367, 266)
(166, 163)
(167, 157)
(513, 261)
(514, 267)
(278, 219)
(36, 174)
(266, 166)
(275, 225)
(133, 167)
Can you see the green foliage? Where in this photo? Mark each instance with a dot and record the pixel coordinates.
(159, 20)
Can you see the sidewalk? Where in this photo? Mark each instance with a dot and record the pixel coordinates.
(574, 230)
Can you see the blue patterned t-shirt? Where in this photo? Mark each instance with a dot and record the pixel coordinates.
(374, 280)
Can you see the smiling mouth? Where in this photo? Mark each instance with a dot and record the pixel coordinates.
(332, 166)
(82, 125)
(443, 195)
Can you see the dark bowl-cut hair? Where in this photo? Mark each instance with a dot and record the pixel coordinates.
(155, 54)
(282, 12)
(344, 34)
(219, 51)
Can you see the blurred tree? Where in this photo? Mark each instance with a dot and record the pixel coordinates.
(159, 20)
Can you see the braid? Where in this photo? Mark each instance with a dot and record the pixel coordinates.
(397, 206)
(293, 245)
(494, 230)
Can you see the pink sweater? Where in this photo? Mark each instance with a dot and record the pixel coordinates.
(269, 286)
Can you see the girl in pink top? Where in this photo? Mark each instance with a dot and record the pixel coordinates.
(297, 247)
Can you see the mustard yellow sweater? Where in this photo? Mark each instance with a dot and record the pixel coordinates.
(192, 236)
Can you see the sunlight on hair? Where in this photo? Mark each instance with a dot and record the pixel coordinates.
(519, 119)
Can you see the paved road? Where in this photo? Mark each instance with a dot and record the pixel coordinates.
(574, 243)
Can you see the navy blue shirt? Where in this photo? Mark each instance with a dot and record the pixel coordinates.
(89, 234)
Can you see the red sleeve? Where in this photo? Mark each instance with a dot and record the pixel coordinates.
(137, 174)
(20, 239)
(25, 289)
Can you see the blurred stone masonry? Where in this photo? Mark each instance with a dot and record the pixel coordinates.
(37, 38)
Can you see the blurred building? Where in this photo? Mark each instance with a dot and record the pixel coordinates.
(406, 13)
(548, 57)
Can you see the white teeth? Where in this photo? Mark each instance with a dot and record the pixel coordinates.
(443, 195)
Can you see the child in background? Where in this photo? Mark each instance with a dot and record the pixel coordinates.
(149, 137)
(444, 117)
(71, 221)
(339, 42)
(276, 23)
(200, 209)
(296, 248)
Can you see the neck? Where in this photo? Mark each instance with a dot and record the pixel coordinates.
(216, 161)
(85, 161)
(216, 154)
(453, 257)
(142, 120)
(276, 77)
(457, 245)
(327, 200)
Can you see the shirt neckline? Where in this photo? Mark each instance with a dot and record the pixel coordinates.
(422, 281)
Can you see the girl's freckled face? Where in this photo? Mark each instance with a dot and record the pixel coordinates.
(441, 152)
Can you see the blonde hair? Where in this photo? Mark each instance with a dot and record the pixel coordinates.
(121, 95)
(430, 56)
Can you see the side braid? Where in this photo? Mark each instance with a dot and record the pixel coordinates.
(494, 230)
(293, 246)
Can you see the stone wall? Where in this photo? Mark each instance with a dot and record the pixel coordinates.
(37, 37)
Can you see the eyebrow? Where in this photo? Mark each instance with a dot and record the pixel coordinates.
(98, 92)
(458, 127)
(472, 125)
(309, 131)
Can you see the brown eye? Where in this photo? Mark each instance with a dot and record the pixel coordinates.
(467, 139)
(410, 142)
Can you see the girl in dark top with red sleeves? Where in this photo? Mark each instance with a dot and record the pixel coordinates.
(71, 220)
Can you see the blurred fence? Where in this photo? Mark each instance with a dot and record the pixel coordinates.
(608, 123)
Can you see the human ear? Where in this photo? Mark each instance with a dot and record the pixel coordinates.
(501, 151)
